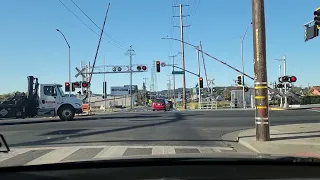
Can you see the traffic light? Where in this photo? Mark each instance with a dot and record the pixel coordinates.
(293, 79)
(85, 84)
(158, 66)
(200, 82)
(75, 85)
(246, 89)
(67, 87)
(280, 86)
(139, 68)
(317, 17)
(239, 80)
(284, 79)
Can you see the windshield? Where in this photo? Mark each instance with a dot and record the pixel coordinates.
(60, 91)
(140, 78)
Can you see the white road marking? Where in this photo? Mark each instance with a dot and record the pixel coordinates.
(60, 153)
(54, 156)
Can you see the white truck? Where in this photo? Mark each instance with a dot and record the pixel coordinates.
(41, 100)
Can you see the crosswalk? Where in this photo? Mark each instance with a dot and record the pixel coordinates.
(45, 155)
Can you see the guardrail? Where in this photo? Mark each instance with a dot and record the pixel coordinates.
(209, 105)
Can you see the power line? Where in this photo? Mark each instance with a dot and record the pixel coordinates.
(96, 24)
(87, 25)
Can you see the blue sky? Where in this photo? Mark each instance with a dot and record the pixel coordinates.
(30, 44)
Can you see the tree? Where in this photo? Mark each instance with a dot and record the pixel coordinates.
(227, 95)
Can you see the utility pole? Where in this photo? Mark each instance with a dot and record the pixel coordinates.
(182, 57)
(131, 53)
(260, 71)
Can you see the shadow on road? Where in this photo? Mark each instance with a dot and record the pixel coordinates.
(177, 117)
(40, 121)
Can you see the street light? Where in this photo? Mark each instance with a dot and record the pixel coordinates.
(243, 87)
(69, 58)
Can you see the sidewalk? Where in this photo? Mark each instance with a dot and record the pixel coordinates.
(294, 139)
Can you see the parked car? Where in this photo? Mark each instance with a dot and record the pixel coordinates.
(160, 104)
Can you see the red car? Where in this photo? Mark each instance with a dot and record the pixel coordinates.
(160, 104)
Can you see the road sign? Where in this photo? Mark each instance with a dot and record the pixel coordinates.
(80, 72)
(163, 64)
(177, 72)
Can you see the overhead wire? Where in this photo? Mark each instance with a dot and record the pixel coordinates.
(97, 25)
(88, 25)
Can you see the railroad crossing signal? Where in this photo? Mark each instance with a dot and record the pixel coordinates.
(239, 80)
(85, 84)
(141, 68)
(75, 85)
(158, 66)
(316, 14)
(291, 79)
(200, 82)
(67, 87)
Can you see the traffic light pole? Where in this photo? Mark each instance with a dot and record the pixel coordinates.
(260, 71)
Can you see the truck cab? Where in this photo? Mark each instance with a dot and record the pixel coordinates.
(52, 101)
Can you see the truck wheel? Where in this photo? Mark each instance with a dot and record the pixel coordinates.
(66, 113)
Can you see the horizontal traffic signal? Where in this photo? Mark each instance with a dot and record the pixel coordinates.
(287, 79)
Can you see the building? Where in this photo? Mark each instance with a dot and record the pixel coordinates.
(315, 90)
(112, 101)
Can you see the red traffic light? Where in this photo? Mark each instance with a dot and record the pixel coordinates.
(158, 62)
(85, 84)
(139, 68)
(144, 68)
(293, 79)
(67, 84)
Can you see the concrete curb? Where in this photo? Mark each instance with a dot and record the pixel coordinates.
(247, 145)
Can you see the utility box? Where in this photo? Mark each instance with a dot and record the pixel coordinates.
(237, 100)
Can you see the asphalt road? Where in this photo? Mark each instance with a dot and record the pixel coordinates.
(187, 128)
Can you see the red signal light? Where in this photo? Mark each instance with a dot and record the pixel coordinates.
(67, 84)
(293, 79)
(84, 84)
(144, 68)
